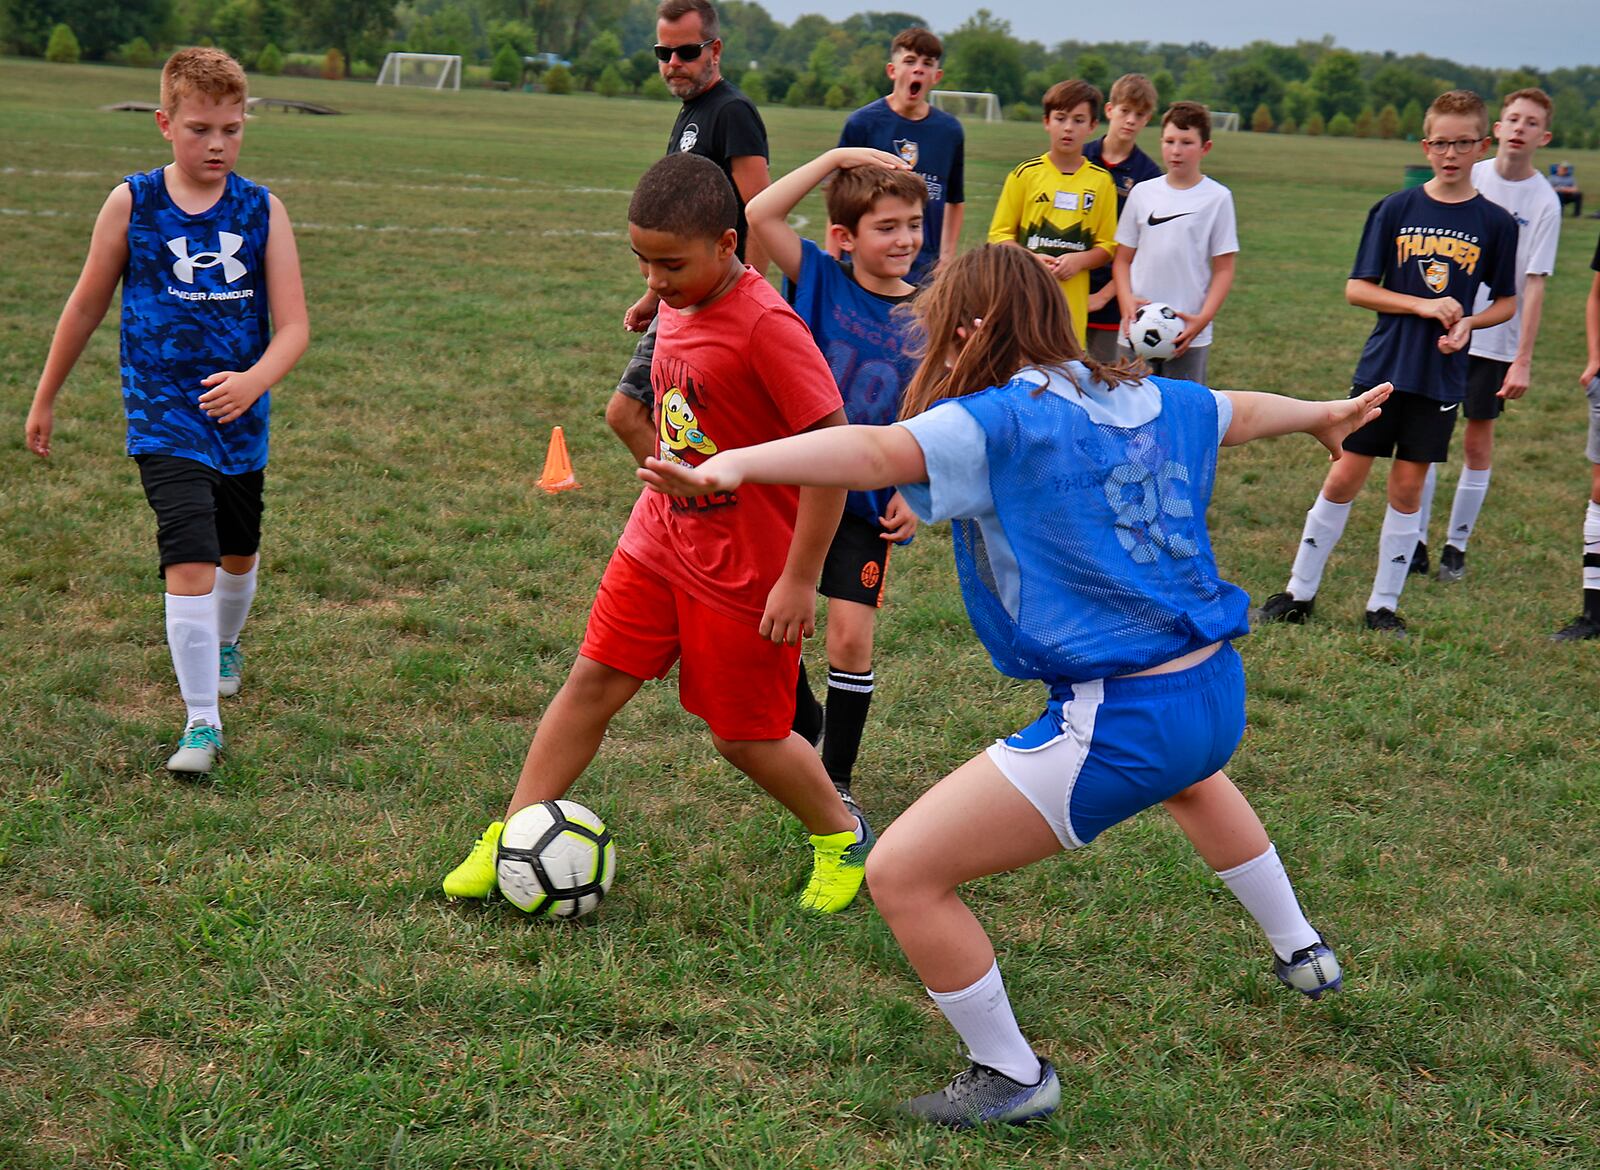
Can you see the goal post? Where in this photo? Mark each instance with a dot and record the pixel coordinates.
(1224, 120)
(426, 70)
(967, 103)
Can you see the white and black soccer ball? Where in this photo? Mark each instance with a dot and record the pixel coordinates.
(556, 858)
(1153, 332)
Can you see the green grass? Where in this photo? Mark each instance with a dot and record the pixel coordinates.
(258, 972)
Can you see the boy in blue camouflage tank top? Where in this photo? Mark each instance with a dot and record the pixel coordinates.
(213, 314)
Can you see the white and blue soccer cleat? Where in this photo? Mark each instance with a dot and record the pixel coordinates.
(981, 1095)
(1311, 970)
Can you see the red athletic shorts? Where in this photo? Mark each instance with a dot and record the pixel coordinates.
(740, 683)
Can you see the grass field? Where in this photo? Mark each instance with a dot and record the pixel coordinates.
(259, 971)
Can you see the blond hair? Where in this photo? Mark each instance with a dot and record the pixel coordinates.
(1462, 102)
(206, 71)
(1133, 91)
(1025, 324)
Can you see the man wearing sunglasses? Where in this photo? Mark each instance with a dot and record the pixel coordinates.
(721, 123)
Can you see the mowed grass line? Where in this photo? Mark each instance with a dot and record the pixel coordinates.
(259, 972)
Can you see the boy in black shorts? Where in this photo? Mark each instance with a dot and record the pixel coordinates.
(1424, 255)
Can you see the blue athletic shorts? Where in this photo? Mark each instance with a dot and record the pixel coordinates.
(1105, 750)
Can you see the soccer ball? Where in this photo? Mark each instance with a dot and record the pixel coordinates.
(1153, 332)
(555, 858)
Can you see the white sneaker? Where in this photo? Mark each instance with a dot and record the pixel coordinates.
(230, 670)
(198, 749)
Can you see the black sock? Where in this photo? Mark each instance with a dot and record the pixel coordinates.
(849, 696)
(1591, 604)
(807, 711)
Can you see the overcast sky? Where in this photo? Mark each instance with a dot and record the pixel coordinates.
(1543, 33)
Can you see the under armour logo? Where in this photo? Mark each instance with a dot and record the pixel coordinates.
(228, 245)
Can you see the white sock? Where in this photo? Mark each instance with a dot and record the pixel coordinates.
(1396, 543)
(1591, 547)
(192, 638)
(235, 592)
(1324, 526)
(1472, 487)
(1425, 513)
(981, 1016)
(1263, 888)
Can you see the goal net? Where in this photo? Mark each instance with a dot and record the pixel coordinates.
(1224, 120)
(428, 70)
(967, 104)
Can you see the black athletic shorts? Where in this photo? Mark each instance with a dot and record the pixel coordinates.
(201, 514)
(1485, 376)
(1411, 427)
(858, 562)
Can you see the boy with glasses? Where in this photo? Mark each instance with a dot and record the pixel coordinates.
(1424, 255)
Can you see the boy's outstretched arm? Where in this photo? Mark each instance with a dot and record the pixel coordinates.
(1262, 416)
(860, 457)
(85, 309)
(232, 392)
(768, 212)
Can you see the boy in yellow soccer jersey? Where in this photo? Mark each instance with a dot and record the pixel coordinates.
(1060, 206)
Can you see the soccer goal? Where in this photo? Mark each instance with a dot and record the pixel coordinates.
(967, 104)
(429, 70)
(1224, 120)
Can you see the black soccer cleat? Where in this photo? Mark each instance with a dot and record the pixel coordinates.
(1386, 621)
(1419, 560)
(1281, 607)
(1452, 564)
(1580, 629)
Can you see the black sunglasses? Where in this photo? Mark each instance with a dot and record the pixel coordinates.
(684, 52)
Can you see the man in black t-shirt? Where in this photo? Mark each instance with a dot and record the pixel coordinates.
(720, 123)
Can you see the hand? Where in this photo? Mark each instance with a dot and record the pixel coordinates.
(1192, 327)
(231, 394)
(1516, 380)
(1456, 337)
(898, 520)
(1127, 318)
(791, 612)
(717, 474)
(1102, 297)
(1344, 418)
(41, 421)
(639, 315)
(845, 157)
(1445, 310)
(1064, 266)
(1590, 373)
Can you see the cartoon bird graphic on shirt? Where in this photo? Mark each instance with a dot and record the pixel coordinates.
(679, 429)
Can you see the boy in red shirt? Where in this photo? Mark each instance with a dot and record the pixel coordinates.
(723, 584)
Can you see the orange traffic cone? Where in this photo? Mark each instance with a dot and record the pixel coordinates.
(557, 475)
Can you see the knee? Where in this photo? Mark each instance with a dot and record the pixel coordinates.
(850, 649)
(623, 414)
(737, 752)
(897, 883)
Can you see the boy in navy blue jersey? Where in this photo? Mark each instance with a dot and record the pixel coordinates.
(875, 212)
(929, 141)
(213, 314)
(1128, 111)
(1424, 255)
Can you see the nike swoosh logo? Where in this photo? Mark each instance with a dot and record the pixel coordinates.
(1448, 406)
(1156, 220)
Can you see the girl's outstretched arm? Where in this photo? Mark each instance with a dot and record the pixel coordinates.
(1262, 416)
(849, 457)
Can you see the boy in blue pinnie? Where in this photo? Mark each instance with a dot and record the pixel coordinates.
(213, 314)
(876, 206)
(1078, 494)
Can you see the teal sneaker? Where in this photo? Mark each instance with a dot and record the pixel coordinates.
(839, 863)
(230, 670)
(198, 749)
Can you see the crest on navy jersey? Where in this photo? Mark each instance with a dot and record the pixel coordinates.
(906, 148)
(1435, 274)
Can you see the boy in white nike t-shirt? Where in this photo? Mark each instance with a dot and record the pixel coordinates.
(1177, 242)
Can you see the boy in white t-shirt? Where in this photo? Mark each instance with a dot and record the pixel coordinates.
(1177, 242)
(1502, 355)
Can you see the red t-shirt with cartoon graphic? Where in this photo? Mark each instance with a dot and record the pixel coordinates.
(741, 371)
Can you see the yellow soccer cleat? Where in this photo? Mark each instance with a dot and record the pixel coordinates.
(838, 866)
(475, 877)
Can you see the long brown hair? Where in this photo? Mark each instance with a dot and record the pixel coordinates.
(1025, 324)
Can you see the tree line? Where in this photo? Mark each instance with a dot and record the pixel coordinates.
(1309, 87)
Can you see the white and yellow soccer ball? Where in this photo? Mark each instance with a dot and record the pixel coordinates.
(1153, 332)
(556, 858)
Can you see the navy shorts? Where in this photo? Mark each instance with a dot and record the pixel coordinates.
(1411, 427)
(1106, 750)
(201, 514)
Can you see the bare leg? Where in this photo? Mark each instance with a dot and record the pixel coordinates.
(569, 735)
(631, 421)
(1219, 822)
(191, 580)
(850, 629)
(791, 772)
(932, 848)
(1346, 477)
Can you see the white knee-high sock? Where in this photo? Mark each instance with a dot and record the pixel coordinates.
(1425, 513)
(235, 592)
(192, 638)
(1396, 543)
(982, 1017)
(1324, 526)
(1591, 560)
(1263, 888)
(1471, 489)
